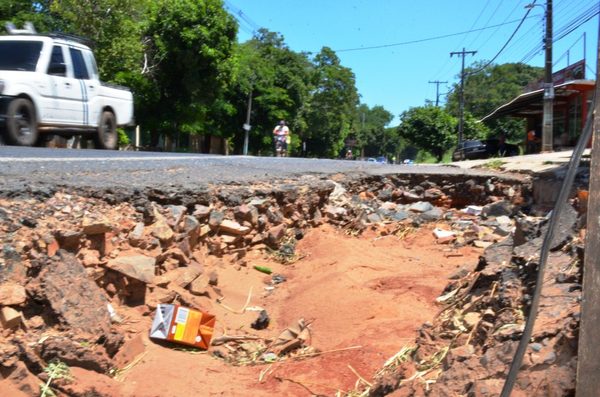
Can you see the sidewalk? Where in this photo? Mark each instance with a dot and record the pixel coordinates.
(527, 164)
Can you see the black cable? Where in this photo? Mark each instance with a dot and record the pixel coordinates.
(554, 220)
(429, 38)
(505, 44)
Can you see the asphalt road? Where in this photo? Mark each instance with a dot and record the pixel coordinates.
(32, 167)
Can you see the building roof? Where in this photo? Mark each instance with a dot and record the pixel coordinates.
(531, 103)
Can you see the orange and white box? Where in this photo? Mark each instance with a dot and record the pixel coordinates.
(183, 325)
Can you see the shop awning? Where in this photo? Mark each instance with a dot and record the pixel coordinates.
(532, 103)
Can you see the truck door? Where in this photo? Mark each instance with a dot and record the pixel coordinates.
(95, 99)
(87, 83)
(62, 99)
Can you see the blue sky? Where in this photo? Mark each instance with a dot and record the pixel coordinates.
(397, 76)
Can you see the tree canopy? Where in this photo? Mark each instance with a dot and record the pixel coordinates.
(430, 128)
(190, 76)
(487, 88)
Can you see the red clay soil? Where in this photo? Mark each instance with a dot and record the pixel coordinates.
(364, 297)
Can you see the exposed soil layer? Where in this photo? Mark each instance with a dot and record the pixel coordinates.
(357, 265)
(365, 294)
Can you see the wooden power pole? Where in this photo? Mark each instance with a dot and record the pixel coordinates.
(588, 357)
(461, 99)
(437, 90)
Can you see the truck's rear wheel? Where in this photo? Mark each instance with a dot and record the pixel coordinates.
(107, 136)
(21, 125)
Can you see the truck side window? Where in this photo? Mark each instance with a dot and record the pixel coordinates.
(91, 63)
(79, 68)
(57, 65)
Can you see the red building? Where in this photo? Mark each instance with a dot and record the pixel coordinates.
(572, 101)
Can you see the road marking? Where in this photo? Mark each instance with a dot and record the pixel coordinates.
(42, 160)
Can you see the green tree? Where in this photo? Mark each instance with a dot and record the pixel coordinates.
(113, 26)
(188, 49)
(370, 133)
(429, 128)
(473, 128)
(332, 105)
(36, 12)
(279, 80)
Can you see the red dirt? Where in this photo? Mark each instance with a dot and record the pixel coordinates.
(373, 292)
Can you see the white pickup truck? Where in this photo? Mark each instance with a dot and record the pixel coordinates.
(49, 84)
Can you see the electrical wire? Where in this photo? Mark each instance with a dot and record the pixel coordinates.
(244, 21)
(554, 221)
(482, 45)
(427, 39)
(564, 54)
(505, 44)
(485, 6)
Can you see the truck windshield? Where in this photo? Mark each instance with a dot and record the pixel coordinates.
(19, 55)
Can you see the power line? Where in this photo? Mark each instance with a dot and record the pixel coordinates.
(428, 38)
(488, 21)
(508, 16)
(508, 41)
(565, 30)
(244, 21)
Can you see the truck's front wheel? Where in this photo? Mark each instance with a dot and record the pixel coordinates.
(107, 137)
(21, 124)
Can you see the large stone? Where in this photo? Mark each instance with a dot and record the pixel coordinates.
(275, 235)
(10, 318)
(75, 353)
(201, 211)
(191, 226)
(421, 206)
(374, 218)
(181, 276)
(334, 212)
(499, 208)
(93, 226)
(565, 229)
(69, 240)
(496, 256)
(162, 231)
(215, 219)
(137, 234)
(247, 213)
(259, 203)
(76, 300)
(274, 216)
(433, 214)
(232, 227)
(139, 267)
(175, 214)
(12, 294)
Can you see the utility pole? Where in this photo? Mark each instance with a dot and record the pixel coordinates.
(437, 90)
(548, 117)
(362, 130)
(247, 126)
(461, 99)
(588, 365)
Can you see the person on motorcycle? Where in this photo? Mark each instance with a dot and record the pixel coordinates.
(281, 133)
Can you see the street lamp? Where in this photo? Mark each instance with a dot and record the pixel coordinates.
(548, 116)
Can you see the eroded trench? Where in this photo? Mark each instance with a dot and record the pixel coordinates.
(403, 285)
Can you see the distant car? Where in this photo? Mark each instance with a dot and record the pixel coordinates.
(470, 149)
(381, 160)
(371, 160)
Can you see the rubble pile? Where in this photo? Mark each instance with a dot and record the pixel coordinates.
(71, 263)
(468, 348)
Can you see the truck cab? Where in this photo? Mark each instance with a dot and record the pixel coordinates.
(50, 84)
